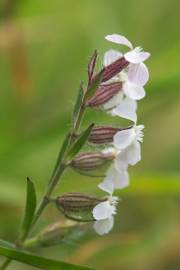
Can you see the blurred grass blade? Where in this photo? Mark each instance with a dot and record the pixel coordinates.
(29, 209)
(78, 104)
(37, 261)
(79, 143)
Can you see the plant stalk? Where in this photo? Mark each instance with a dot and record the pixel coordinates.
(57, 173)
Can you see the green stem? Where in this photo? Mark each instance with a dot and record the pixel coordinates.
(57, 173)
(48, 193)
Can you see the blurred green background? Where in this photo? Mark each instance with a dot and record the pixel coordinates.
(44, 49)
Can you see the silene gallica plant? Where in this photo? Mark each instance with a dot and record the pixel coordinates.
(115, 89)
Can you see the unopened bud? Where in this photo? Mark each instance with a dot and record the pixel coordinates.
(91, 160)
(103, 134)
(78, 206)
(53, 234)
(104, 93)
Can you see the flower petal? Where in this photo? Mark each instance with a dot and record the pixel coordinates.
(124, 138)
(133, 91)
(144, 56)
(138, 74)
(104, 226)
(136, 56)
(115, 179)
(111, 56)
(114, 101)
(132, 154)
(119, 39)
(107, 184)
(121, 163)
(103, 210)
(126, 109)
(121, 179)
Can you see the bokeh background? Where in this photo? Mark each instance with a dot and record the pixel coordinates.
(44, 49)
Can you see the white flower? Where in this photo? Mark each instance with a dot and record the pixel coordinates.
(128, 143)
(130, 89)
(104, 213)
(137, 70)
(127, 151)
(124, 103)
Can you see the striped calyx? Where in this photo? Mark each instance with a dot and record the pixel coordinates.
(91, 160)
(77, 206)
(103, 94)
(103, 134)
(113, 69)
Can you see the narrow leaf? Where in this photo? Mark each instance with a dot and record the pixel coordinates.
(91, 66)
(62, 153)
(94, 86)
(78, 104)
(29, 209)
(79, 143)
(37, 261)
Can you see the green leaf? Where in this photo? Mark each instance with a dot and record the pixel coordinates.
(93, 87)
(29, 209)
(79, 143)
(62, 152)
(78, 104)
(37, 261)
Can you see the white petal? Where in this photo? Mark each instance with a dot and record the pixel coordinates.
(115, 38)
(111, 56)
(144, 56)
(103, 210)
(139, 133)
(135, 56)
(138, 74)
(132, 154)
(124, 138)
(104, 226)
(133, 91)
(126, 109)
(121, 178)
(107, 185)
(115, 179)
(114, 101)
(121, 162)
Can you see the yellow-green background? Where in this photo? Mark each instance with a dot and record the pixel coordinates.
(44, 49)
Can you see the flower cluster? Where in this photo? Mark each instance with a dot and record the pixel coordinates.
(120, 84)
(126, 143)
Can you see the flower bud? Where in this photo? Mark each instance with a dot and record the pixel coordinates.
(91, 160)
(103, 134)
(53, 234)
(77, 206)
(103, 94)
